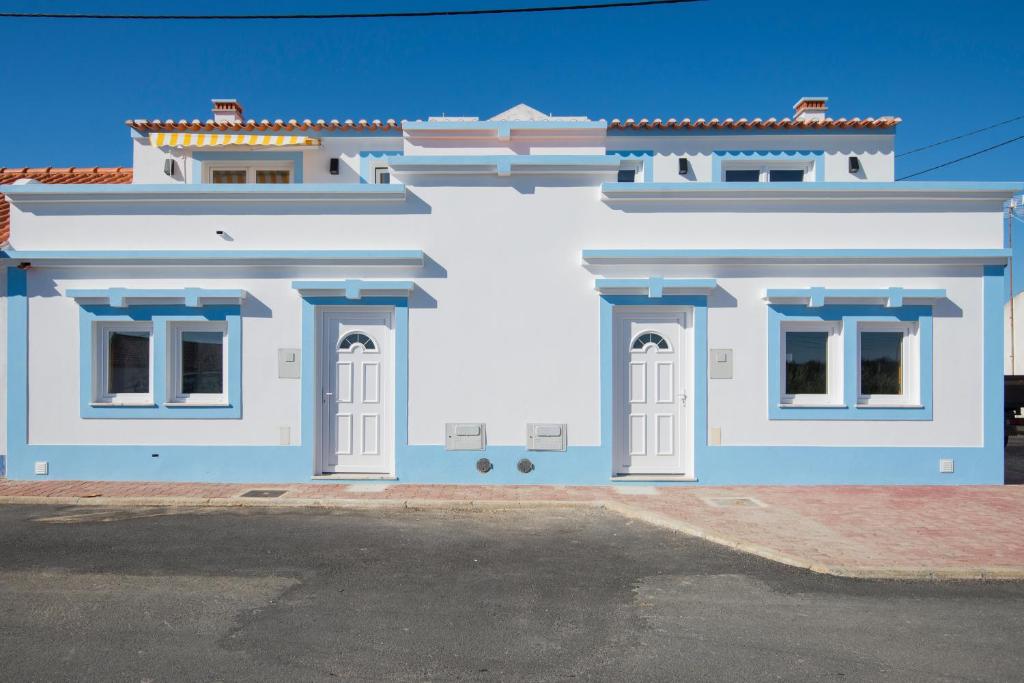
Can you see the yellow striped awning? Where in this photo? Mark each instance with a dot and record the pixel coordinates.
(220, 140)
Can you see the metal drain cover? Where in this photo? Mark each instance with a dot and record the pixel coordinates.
(734, 502)
(263, 493)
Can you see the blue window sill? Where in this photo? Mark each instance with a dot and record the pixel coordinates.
(822, 406)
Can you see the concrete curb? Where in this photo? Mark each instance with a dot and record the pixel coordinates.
(983, 573)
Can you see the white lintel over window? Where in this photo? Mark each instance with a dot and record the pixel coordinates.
(192, 297)
(816, 297)
(355, 289)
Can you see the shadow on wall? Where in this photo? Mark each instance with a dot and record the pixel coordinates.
(183, 207)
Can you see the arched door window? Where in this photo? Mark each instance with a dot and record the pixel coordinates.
(642, 340)
(353, 339)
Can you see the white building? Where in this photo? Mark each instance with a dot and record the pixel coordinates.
(520, 299)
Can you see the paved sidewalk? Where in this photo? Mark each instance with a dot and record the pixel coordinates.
(857, 531)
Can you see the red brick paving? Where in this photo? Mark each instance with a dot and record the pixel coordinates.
(970, 531)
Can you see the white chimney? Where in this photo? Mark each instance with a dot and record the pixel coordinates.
(227, 111)
(810, 109)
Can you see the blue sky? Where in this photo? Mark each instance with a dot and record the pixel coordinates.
(944, 67)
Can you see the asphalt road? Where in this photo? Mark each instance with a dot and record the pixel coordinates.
(303, 595)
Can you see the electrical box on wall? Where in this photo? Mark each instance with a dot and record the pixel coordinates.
(720, 364)
(465, 436)
(288, 363)
(545, 437)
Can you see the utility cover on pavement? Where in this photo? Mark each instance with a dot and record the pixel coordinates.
(263, 493)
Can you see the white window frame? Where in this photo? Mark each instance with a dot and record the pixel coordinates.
(174, 365)
(377, 170)
(833, 395)
(764, 166)
(911, 366)
(250, 169)
(102, 331)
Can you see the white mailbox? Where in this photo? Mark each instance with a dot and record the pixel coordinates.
(465, 436)
(545, 437)
(288, 363)
(720, 364)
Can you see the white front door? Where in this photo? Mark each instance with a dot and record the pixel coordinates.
(356, 392)
(652, 390)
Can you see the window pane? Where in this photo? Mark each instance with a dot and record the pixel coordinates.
(742, 176)
(128, 363)
(785, 176)
(202, 362)
(807, 362)
(881, 363)
(229, 177)
(627, 175)
(273, 177)
(383, 176)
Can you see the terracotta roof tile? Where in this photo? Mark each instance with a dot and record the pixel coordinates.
(754, 124)
(376, 125)
(182, 125)
(51, 175)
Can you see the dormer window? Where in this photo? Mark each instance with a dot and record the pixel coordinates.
(764, 174)
(263, 173)
(778, 166)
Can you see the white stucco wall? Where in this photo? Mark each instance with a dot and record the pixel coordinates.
(514, 334)
(875, 152)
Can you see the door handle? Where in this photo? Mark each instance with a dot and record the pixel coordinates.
(326, 394)
(682, 398)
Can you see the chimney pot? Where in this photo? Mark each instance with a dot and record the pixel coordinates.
(227, 111)
(810, 109)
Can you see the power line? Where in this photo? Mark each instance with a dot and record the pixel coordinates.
(345, 15)
(968, 156)
(961, 136)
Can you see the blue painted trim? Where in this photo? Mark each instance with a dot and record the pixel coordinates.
(191, 297)
(503, 164)
(17, 359)
(502, 129)
(366, 158)
(598, 256)
(994, 283)
(851, 317)
(357, 289)
(162, 318)
(646, 158)
(751, 132)
(817, 157)
(654, 286)
(199, 158)
(207, 192)
(392, 257)
(816, 297)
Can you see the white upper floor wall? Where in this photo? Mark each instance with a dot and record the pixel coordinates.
(822, 147)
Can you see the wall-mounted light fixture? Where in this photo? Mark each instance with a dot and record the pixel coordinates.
(335, 166)
(854, 165)
(684, 166)
(170, 168)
